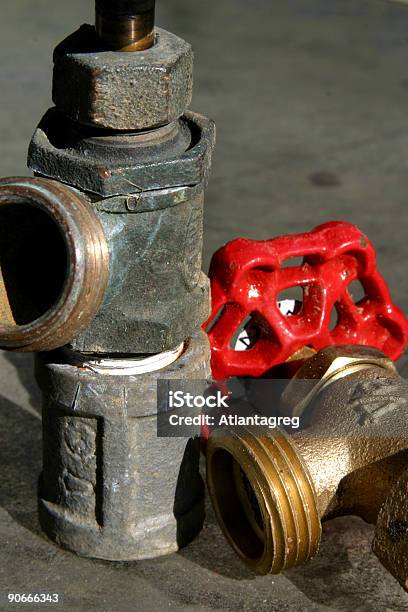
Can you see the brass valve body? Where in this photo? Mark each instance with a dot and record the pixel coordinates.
(271, 491)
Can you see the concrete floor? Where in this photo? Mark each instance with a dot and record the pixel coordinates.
(311, 99)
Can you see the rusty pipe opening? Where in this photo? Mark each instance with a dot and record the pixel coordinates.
(53, 264)
(263, 498)
(126, 25)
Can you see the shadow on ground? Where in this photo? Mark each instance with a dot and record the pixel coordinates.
(20, 459)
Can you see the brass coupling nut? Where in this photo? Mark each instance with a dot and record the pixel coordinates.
(54, 264)
(271, 491)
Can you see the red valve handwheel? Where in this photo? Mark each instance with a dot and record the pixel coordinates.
(247, 278)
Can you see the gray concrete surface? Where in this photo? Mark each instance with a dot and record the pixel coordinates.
(311, 102)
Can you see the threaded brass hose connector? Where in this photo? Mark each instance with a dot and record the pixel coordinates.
(271, 491)
(263, 498)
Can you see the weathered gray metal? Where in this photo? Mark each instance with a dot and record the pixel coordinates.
(110, 487)
(108, 165)
(157, 295)
(148, 191)
(144, 292)
(122, 91)
(124, 144)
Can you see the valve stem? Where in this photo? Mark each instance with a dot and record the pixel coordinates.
(126, 25)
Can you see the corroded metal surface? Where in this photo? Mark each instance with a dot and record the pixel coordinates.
(114, 164)
(122, 91)
(157, 295)
(147, 189)
(152, 219)
(131, 229)
(110, 487)
(130, 281)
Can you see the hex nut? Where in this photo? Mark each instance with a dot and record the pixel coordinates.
(328, 365)
(55, 154)
(122, 91)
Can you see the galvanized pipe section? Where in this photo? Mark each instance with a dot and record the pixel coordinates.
(123, 167)
(111, 488)
(126, 25)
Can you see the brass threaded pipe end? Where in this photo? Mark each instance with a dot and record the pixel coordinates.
(54, 264)
(263, 497)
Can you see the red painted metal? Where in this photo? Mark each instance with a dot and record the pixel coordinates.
(247, 277)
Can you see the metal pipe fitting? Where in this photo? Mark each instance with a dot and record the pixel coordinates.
(54, 264)
(263, 498)
(271, 491)
(126, 25)
(111, 488)
(144, 174)
(110, 269)
(126, 92)
(157, 294)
